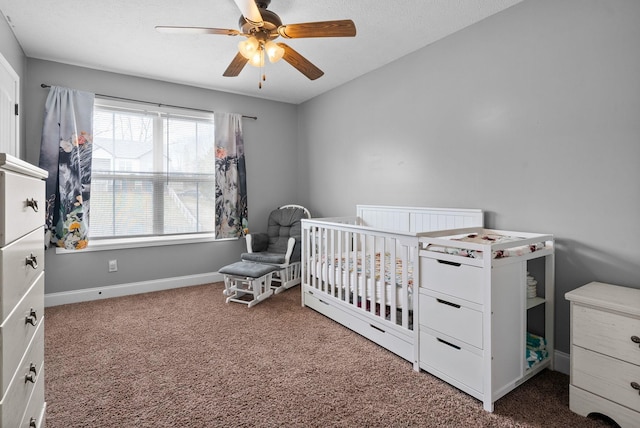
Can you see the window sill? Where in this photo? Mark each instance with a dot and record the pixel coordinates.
(154, 241)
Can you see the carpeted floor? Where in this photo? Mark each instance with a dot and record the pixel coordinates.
(184, 358)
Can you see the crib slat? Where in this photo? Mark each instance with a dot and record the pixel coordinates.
(331, 278)
(339, 268)
(392, 287)
(382, 285)
(325, 266)
(405, 283)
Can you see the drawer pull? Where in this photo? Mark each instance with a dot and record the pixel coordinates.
(33, 204)
(32, 261)
(636, 386)
(377, 328)
(635, 339)
(444, 302)
(31, 376)
(33, 423)
(32, 318)
(447, 343)
(446, 262)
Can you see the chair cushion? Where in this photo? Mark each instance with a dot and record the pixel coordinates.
(247, 269)
(283, 224)
(264, 257)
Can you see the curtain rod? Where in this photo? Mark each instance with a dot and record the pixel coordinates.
(44, 85)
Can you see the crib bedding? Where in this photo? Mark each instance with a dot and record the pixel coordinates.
(486, 239)
(343, 271)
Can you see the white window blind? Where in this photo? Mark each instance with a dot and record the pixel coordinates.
(153, 171)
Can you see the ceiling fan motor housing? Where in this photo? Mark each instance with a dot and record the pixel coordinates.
(269, 29)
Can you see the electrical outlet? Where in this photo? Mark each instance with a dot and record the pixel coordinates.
(113, 265)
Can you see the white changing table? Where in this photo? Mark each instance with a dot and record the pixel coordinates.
(474, 313)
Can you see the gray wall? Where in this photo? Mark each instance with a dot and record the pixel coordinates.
(532, 115)
(270, 146)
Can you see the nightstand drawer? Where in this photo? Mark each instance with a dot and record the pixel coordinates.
(21, 205)
(606, 377)
(20, 263)
(454, 279)
(451, 318)
(607, 333)
(451, 360)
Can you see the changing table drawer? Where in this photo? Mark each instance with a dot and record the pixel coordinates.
(454, 279)
(21, 205)
(452, 319)
(606, 377)
(453, 361)
(606, 332)
(20, 263)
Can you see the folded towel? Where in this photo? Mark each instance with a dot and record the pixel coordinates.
(533, 357)
(535, 342)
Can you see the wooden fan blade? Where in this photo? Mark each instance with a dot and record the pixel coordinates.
(197, 30)
(250, 12)
(343, 28)
(300, 63)
(236, 66)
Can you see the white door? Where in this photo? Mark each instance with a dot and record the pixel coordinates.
(9, 119)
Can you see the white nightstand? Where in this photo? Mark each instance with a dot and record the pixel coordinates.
(605, 352)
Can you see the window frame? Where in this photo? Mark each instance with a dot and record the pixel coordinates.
(114, 243)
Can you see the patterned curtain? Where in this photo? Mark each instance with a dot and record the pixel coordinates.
(231, 177)
(65, 152)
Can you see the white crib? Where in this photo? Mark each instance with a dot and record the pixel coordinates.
(360, 271)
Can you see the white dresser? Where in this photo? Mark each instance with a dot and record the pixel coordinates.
(22, 210)
(605, 352)
(474, 314)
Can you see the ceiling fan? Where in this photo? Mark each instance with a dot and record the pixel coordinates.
(261, 27)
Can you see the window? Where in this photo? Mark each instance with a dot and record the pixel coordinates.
(153, 171)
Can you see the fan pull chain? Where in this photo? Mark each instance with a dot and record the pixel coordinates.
(261, 70)
(264, 76)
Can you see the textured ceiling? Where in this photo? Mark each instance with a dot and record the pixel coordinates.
(119, 36)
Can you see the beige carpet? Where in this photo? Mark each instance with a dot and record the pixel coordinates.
(184, 358)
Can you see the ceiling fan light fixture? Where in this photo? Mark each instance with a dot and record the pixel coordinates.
(274, 52)
(249, 47)
(257, 59)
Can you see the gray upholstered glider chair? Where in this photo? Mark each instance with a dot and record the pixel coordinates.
(280, 245)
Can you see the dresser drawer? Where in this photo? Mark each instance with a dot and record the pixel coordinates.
(18, 330)
(454, 279)
(605, 376)
(606, 332)
(20, 263)
(29, 371)
(451, 360)
(452, 319)
(17, 193)
(35, 411)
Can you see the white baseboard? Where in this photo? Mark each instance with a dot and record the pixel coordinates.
(84, 295)
(562, 362)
